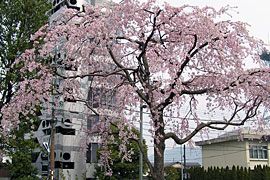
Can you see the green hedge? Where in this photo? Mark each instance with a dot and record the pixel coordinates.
(236, 173)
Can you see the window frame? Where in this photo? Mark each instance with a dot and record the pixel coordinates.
(258, 152)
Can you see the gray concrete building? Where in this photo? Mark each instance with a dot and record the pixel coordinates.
(72, 120)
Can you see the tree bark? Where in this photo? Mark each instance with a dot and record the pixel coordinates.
(159, 151)
(159, 160)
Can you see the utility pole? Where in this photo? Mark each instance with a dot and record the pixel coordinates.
(182, 167)
(141, 140)
(51, 172)
(52, 147)
(185, 173)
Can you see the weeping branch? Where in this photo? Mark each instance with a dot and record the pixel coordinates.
(145, 157)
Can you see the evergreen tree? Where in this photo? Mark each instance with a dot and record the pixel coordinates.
(222, 174)
(266, 171)
(258, 173)
(233, 173)
(240, 173)
(19, 19)
(192, 173)
(172, 173)
(227, 173)
(197, 173)
(21, 151)
(218, 175)
(245, 173)
(250, 174)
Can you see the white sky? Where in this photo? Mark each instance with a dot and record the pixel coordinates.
(254, 12)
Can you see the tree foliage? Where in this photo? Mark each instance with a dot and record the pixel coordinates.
(165, 57)
(239, 173)
(172, 173)
(21, 152)
(19, 19)
(122, 169)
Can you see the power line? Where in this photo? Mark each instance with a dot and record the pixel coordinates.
(147, 113)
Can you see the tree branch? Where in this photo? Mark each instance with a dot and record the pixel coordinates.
(132, 83)
(252, 111)
(145, 157)
(95, 73)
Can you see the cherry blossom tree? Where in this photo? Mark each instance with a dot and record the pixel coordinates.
(131, 53)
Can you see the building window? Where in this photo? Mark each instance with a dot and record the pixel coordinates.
(44, 168)
(94, 97)
(65, 131)
(73, 2)
(258, 152)
(57, 4)
(100, 97)
(91, 154)
(93, 2)
(66, 156)
(92, 121)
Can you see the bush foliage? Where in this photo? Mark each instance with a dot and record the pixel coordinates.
(235, 173)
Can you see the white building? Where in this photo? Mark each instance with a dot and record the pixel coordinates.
(247, 148)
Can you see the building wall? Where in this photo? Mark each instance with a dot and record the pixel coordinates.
(235, 153)
(225, 154)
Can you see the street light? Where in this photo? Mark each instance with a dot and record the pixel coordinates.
(141, 140)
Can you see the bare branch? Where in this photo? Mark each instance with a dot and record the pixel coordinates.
(89, 106)
(128, 77)
(95, 73)
(130, 40)
(252, 111)
(145, 157)
(144, 46)
(200, 91)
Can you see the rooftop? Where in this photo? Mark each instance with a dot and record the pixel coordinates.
(237, 135)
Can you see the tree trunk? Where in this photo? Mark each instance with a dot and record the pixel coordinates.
(159, 160)
(159, 151)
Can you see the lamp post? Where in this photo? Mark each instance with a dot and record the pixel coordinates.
(141, 140)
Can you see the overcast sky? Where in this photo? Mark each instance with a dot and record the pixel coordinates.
(254, 12)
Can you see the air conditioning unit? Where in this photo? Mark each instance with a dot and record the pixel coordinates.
(75, 4)
(65, 162)
(67, 122)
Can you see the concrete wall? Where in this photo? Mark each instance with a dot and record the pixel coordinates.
(231, 153)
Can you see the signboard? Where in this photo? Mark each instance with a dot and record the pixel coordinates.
(46, 146)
